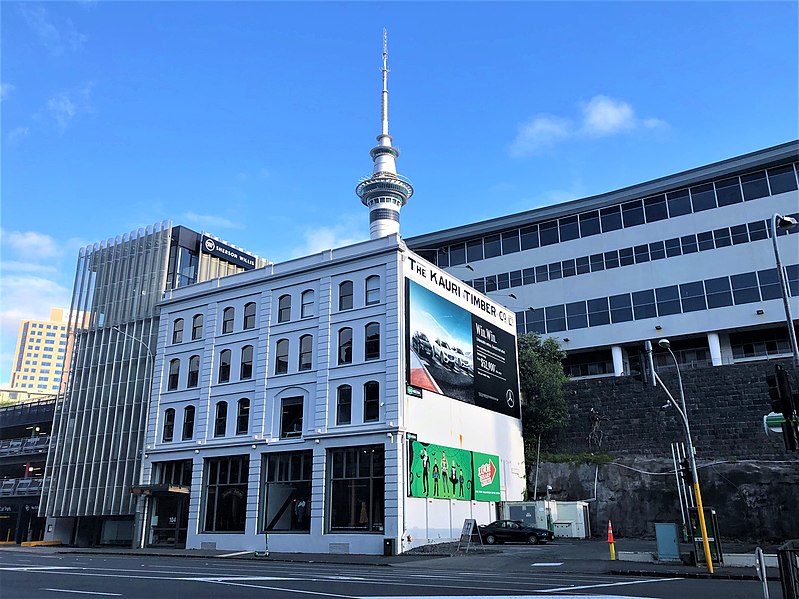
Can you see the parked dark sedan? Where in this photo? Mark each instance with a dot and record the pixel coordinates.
(503, 531)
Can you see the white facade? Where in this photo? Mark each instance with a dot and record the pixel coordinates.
(320, 308)
(687, 256)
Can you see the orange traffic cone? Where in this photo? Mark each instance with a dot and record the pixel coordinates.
(610, 532)
(611, 542)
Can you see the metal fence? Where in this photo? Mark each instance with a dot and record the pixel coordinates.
(788, 560)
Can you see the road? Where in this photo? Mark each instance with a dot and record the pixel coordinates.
(40, 574)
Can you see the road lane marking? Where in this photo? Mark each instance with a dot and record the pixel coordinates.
(286, 590)
(607, 584)
(235, 554)
(83, 592)
(540, 564)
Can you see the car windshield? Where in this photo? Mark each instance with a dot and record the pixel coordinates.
(444, 344)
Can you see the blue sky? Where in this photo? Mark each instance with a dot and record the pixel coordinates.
(253, 120)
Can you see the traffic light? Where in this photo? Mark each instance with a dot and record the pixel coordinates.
(685, 472)
(781, 394)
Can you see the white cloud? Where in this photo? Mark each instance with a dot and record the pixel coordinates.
(601, 116)
(62, 109)
(5, 89)
(351, 229)
(55, 38)
(31, 245)
(17, 133)
(212, 221)
(27, 267)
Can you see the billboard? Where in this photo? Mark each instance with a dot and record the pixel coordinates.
(459, 344)
(441, 472)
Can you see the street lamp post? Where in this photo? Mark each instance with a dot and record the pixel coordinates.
(148, 362)
(681, 409)
(785, 222)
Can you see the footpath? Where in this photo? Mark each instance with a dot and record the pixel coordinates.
(635, 557)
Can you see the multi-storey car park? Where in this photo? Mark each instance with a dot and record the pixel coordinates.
(688, 256)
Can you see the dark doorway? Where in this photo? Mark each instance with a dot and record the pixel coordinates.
(170, 520)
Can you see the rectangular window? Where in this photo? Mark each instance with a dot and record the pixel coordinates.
(569, 228)
(556, 318)
(598, 312)
(480, 285)
(589, 224)
(554, 271)
(644, 304)
(583, 265)
(611, 260)
(503, 280)
(541, 273)
(344, 405)
(610, 218)
(757, 230)
(728, 192)
(668, 300)
(534, 320)
(679, 203)
(529, 236)
(782, 179)
(510, 242)
(226, 494)
(568, 267)
(626, 256)
(745, 288)
(621, 308)
(641, 253)
(739, 234)
(718, 292)
(655, 208)
(356, 493)
(528, 276)
(491, 283)
(474, 250)
(722, 237)
(769, 284)
(755, 185)
(442, 257)
(693, 296)
(576, 316)
(371, 401)
(703, 197)
(516, 278)
(549, 232)
(291, 417)
(457, 254)
(287, 492)
(657, 251)
(597, 262)
(492, 246)
(688, 244)
(705, 240)
(632, 213)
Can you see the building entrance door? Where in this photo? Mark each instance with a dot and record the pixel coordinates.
(170, 521)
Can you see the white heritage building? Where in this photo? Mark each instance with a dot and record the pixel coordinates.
(357, 400)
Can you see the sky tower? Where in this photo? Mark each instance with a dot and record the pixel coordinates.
(385, 192)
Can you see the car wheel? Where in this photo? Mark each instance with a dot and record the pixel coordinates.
(532, 539)
(490, 539)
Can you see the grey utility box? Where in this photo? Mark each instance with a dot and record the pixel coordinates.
(667, 535)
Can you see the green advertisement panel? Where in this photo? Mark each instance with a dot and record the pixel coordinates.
(486, 476)
(442, 472)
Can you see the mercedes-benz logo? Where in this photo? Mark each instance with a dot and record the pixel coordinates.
(510, 398)
(210, 245)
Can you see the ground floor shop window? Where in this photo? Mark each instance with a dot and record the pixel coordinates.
(287, 492)
(356, 493)
(226, 494)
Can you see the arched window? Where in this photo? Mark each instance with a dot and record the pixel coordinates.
(282, 356)
(246, 362)
(197, 327)
(220, 421)
(306, 352)
(169, 425)
(193, 378)
(371, 401)
(174, 374)
(188, 422)
(372, 290)
(344, 404)
(306, 309)
(227, 320)
(249, 316)
(284, 308)
(243, 417)
(345, 346)
(177, 331)
(224, 366)
(345, 295)
(372, 341)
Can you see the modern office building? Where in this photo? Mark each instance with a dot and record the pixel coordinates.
(98, 429)
(40, 353)
(357, 400)
(688, 256)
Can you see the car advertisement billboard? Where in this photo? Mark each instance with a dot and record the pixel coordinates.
(459, 343)
(441, 472)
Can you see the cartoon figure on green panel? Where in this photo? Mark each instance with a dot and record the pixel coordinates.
(453, 477)
(460, 480)
(425, 471)
(435, 477)
(445, 471)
